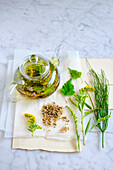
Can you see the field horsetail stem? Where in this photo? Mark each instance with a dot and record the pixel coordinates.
(101, 85)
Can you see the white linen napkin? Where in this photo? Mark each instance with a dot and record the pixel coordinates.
(4, 108)
(69, 59)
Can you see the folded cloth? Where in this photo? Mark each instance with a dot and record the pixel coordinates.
(69, 59)
(4, 108)
(8, 109)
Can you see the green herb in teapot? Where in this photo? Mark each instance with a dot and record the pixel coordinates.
(40, 77)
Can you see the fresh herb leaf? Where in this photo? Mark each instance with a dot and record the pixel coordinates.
(88, 106)
(87, 127)
(89, 112)
(73, 102)
(68, 88)
(74, 73)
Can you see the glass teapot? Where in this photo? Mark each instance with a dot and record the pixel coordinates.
(35, 77)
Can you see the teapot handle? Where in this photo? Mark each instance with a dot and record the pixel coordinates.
(12, 92)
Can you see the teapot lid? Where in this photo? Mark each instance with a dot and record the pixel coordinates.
(34, 67)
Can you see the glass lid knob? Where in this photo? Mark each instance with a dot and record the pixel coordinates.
(33, 59)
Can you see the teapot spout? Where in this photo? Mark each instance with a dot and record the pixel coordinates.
(55, 58)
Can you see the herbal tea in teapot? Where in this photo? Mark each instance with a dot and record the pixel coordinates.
(36, 77)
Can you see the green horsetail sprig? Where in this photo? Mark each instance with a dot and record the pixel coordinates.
(101, 85)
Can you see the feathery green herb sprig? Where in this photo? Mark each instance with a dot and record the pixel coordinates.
(101, 85)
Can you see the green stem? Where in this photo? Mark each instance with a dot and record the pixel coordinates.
(82, 127)
(32, 133)
(102, 139)
(79, 145)
(76, 130)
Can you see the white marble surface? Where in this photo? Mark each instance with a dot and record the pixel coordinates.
(84, 25)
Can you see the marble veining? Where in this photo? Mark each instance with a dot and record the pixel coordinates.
(83, 25)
